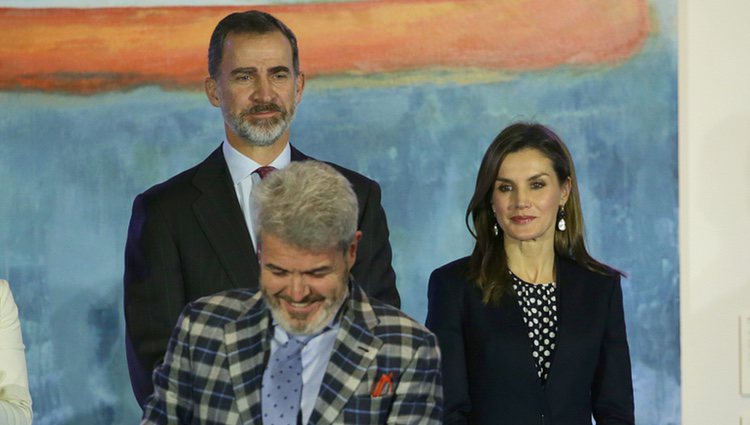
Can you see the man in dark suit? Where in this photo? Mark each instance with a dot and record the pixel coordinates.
(192, 235)
(310, 346)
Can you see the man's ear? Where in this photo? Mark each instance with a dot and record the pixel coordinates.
(351, 252)
(209, 85)
(300, 87)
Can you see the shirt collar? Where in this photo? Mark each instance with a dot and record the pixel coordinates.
(241, 166)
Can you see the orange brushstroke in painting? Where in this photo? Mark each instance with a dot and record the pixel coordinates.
(93, 50)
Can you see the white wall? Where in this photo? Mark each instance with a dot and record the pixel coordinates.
(714, 165)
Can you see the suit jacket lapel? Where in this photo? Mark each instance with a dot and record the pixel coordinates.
(567, 297)
(511, 312)
(247, 347)
(354, 351)
(220, 216)
(297, 155)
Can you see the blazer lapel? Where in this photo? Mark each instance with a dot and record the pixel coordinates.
(247, 347)
(220, 216)
(296, 155)
(567, 298)
(520, 332)
(354, 351)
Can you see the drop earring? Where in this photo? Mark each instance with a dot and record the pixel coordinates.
(561, 219)
(495, 229)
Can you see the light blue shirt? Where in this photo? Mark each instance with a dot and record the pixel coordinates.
(241, 169)
(315, 357)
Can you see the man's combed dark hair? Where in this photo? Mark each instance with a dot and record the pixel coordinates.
(488, 266)
(249, 22)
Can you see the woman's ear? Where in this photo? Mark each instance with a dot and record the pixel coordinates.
(567, 186)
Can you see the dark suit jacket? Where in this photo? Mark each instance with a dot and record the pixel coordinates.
(488, 373)
(213, 369)
(188, 239)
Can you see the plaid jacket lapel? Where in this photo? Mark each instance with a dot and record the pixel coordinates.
(353, 352)
(247, 346)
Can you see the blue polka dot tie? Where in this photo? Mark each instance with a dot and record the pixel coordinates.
(282, 385)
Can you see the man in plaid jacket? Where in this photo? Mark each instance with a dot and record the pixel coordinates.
(362, 362)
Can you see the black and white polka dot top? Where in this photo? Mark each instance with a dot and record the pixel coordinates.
(539, 305)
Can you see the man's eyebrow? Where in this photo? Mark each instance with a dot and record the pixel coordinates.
(245, 70)
(274, 267)
(320, 269)
(277, 69)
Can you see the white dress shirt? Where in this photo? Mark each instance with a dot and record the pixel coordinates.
(241, 169)
(15, 400)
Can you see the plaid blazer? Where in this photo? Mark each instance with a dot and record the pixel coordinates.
(213, 369)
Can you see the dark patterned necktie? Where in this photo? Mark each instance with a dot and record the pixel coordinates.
(264, 171)
(282, 384)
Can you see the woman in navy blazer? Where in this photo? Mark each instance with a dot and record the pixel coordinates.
(530, 326)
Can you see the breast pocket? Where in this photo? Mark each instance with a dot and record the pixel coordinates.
(366, 409)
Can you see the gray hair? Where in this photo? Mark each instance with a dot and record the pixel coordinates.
(307, 204)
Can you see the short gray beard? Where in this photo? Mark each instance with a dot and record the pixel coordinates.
(330, 308)
(261, 134)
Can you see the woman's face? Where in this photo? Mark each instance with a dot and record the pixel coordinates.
(526, 196)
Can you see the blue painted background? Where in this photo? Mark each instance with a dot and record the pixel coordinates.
(70, 167)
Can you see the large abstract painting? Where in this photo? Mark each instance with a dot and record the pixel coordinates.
(99, 104)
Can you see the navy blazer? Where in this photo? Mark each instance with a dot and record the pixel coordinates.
(188, 239)
(489, 376)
